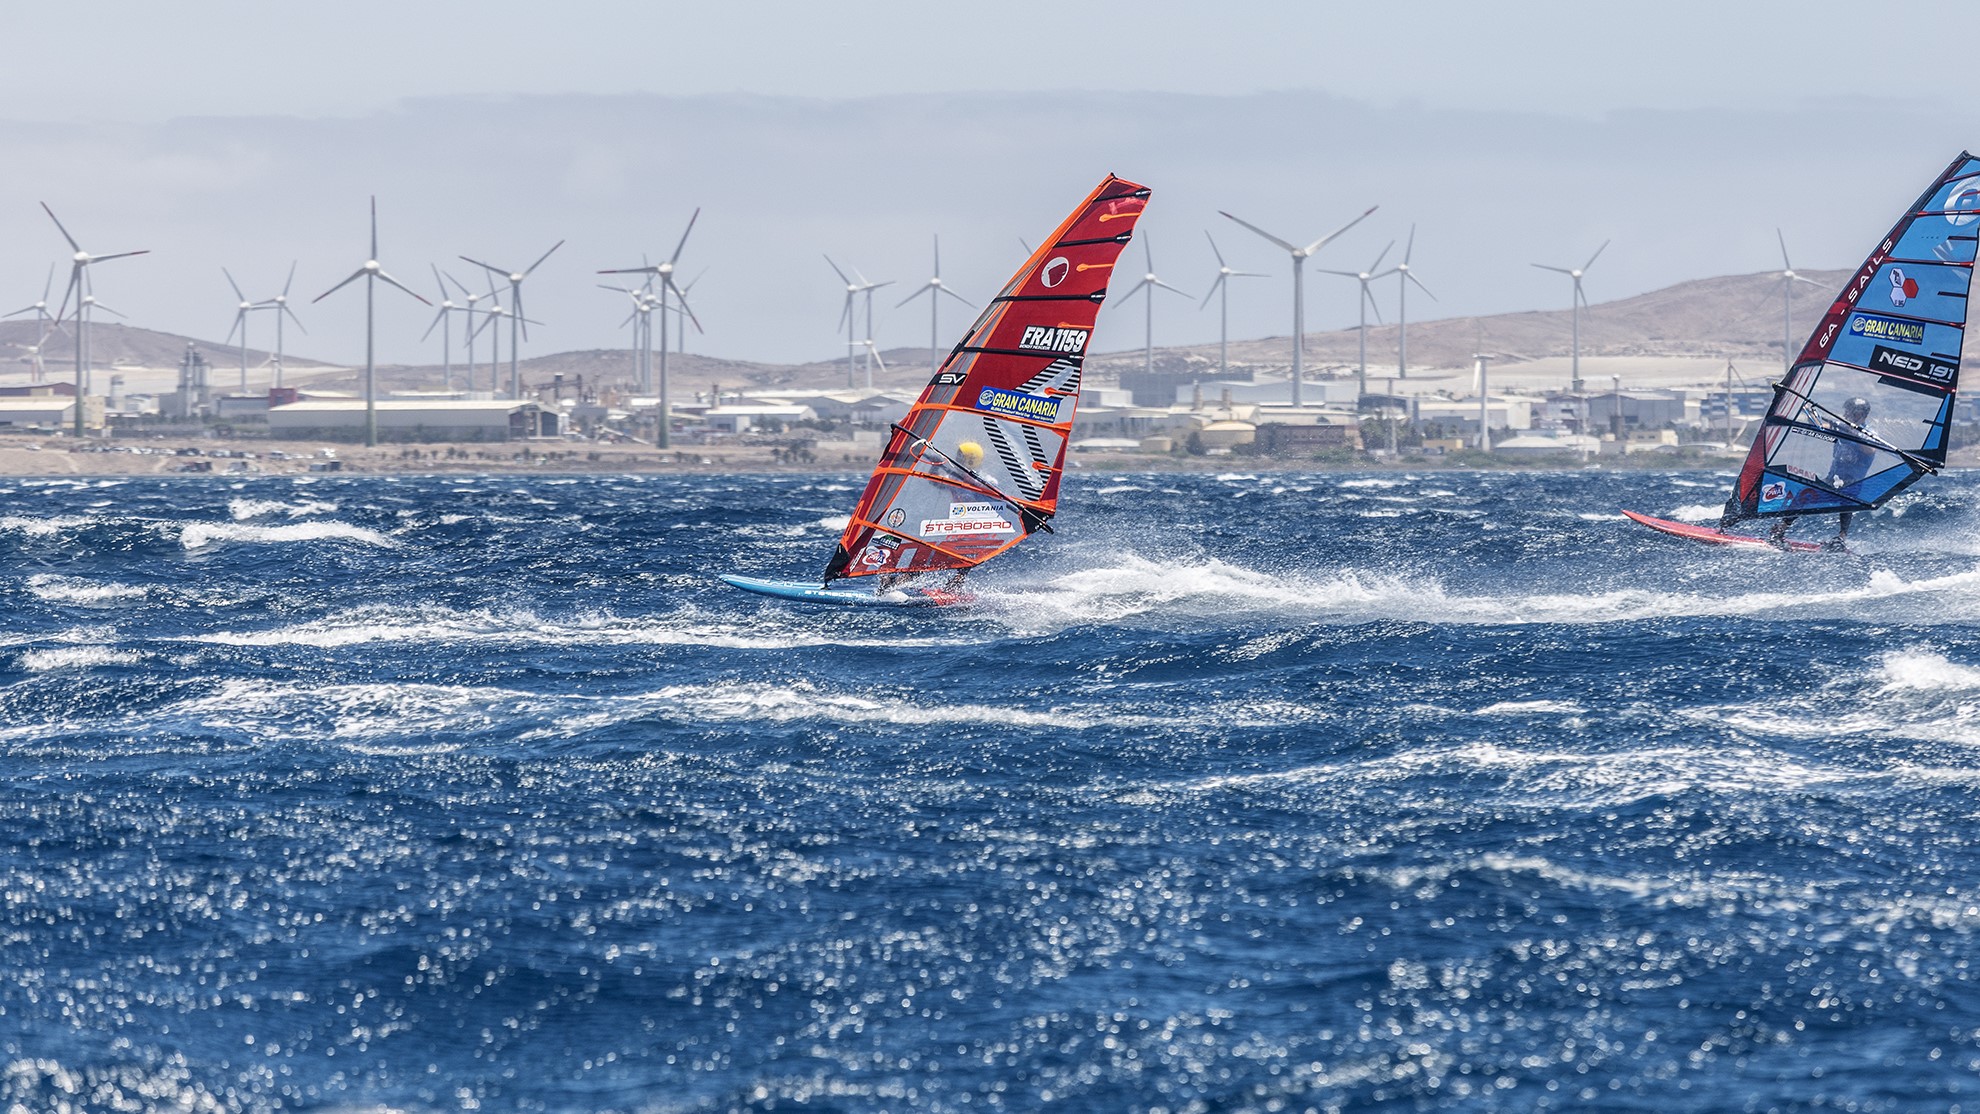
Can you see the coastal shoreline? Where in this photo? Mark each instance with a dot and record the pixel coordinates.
(239, 458)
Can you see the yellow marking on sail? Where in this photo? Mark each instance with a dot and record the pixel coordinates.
(1094, 267)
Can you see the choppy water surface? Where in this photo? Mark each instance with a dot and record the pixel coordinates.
(1428, 792)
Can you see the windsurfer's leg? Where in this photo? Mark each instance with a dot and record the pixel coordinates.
(1779, 536)
(1842, 528)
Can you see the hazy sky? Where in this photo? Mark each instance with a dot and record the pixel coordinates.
(247, 135)
(144, 60)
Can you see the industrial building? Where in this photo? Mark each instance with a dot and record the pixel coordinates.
(416, 420)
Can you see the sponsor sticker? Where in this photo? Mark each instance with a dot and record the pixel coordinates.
(875, 555)
(1773, 492)
(949, 378)
(1886, 328)
(1015, 404)
(896, 516)
(1902, 289)
(968, 518)
(1055, 272)
(1893, 362)
(1050, 338)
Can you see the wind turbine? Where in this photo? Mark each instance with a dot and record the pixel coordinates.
(78, 286)
(444, 319)
(934, 289)
(516, 319)
(641, 319)
(1222, 287)
(1367, 303)
(44, 320)
(1402, 305)
(664, 273)
(1299, 256)
(472, 329)
(854, 290)
(280, 304)
(1580, 299)
(1149, 283)
(1788, 279)
(372, 274)
(240, 323)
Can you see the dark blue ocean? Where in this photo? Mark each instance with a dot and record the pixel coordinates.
(1441, 791)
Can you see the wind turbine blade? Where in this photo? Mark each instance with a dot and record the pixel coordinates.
(1316, 245)
(1369, 296)
(240, 317)
(238, 296)
(73, 246)
(459, 285)
(434, 324)
(355, 275)
(938, 255)
(483, 266)
(1377, 265)
(837, 271)
(1809, 281)
(438, 281)
(29, 309)
(1328, 271)
(631, 271)
(1419, 284)
(1211, 292)
(676, 257)
(1213, 250)
(118, 255)
(541, 258)
(682, 295)
(956, 296)
(1785, 265)
(294, 318)
(74, 287)
(1260, 231)
(1249, 274)
(1562, 270)
(291, 280)
(1410, 246)
(107, 309)
(395, 282)
(1166, 286)
(845, 313)
(48, 287)
(374, 228)
(1598, 251)
(926, 288)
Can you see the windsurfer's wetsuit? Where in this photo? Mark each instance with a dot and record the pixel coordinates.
(1850, 464)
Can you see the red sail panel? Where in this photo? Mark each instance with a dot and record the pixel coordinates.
(974, 467)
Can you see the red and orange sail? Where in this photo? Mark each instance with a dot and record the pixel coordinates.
(974, 467)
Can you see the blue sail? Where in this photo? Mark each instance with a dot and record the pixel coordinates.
(1865, 411)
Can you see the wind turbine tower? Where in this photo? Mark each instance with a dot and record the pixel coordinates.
(240, 323)
(1574, 308)
(372, 274)
(854, 290)
(1406, 276)
(1149, 284)
(45, 322)
(280, 304)
(934, 289)
(1222, 288)
(79, 287)
(516, 319)
(1373, 272)
(1788, 279)
(1299, 257)
(444, 319)
(663, 273)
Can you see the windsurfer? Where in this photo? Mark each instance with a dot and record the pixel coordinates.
(1849, 464)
